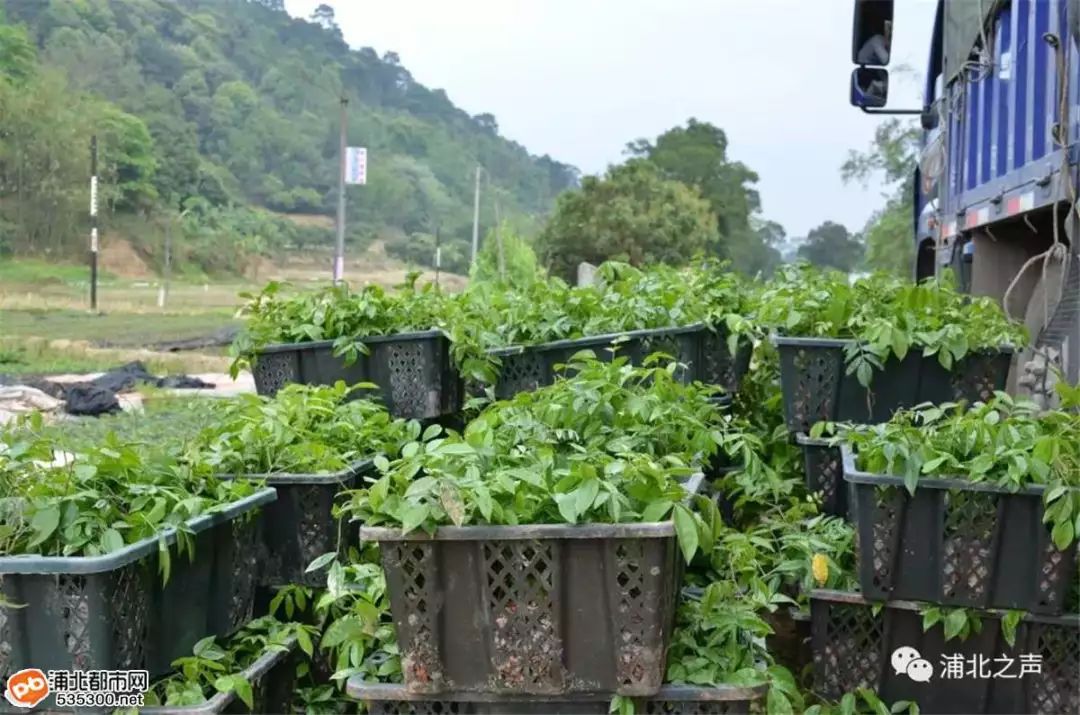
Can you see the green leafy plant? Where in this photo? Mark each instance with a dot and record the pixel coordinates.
(57, 502)
(336, 313)
(213, 668)
(863, 702)
(885, 317)
(719, 639)
(1006, 442)
(359, 635)
(610, 444)
(301, 430)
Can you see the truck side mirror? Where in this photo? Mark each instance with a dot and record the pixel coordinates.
(871, 32)
(869, 87)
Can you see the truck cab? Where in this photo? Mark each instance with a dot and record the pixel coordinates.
(996, 184)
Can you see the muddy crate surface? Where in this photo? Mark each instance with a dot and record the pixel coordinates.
(854, 647)
(816, 386)
(547, 609)
(958, 543)
(670, 700)
(415, 375)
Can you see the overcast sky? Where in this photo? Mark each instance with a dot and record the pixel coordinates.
(578, 79)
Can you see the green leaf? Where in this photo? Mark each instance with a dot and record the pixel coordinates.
(955, 622)
(321, 561)
(1008, 626)
(456, 448)
(777, 703)
(687, 532)
(585, 495)
(111, 540)
(483, 501)
(414, 516)
(1062, 534)
(656, 511)
(567, 504)
(864, 373)
(43, 523)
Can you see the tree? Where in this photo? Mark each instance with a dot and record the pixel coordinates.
(757, 251)
(893, 153)
(487, 122)
(127, 158)
(832, 246)
(631, 214)
(324, 17)
(519, 264)
(17, 54)
(697, 156)
(240, 100)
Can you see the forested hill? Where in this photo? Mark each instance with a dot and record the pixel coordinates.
(214, 105)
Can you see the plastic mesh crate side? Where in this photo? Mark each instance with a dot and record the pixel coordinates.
(810, 377)
(414, 371)
(124, 616)
(816, 385)
(302, 528)
(669, 700)
(272, 676)
(416, 377)
(853, 648)
(717, 365)
(547, 624)
(824, 472)
(975, 548)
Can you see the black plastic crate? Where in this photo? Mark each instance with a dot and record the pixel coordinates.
(113, 612)
(816, 386)
(546, 609)
(272, 677)
(957, 543)
(854, 648)
(526, 368)
(414, 372)
(824, 471)
(717, 366)
(302, 523)
(383, 699)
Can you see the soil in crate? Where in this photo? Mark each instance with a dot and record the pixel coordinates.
(856, 648)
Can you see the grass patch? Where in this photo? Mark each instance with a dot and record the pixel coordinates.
(114, 329)
(32, 271)
(36, 356)
(174, 420)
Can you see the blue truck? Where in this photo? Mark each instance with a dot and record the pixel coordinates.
(996, 183)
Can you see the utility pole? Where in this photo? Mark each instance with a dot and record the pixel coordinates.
(339, 253)
(476, 218)
(499, 241)
(163, 296)
(93, 222)
(438, 253)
